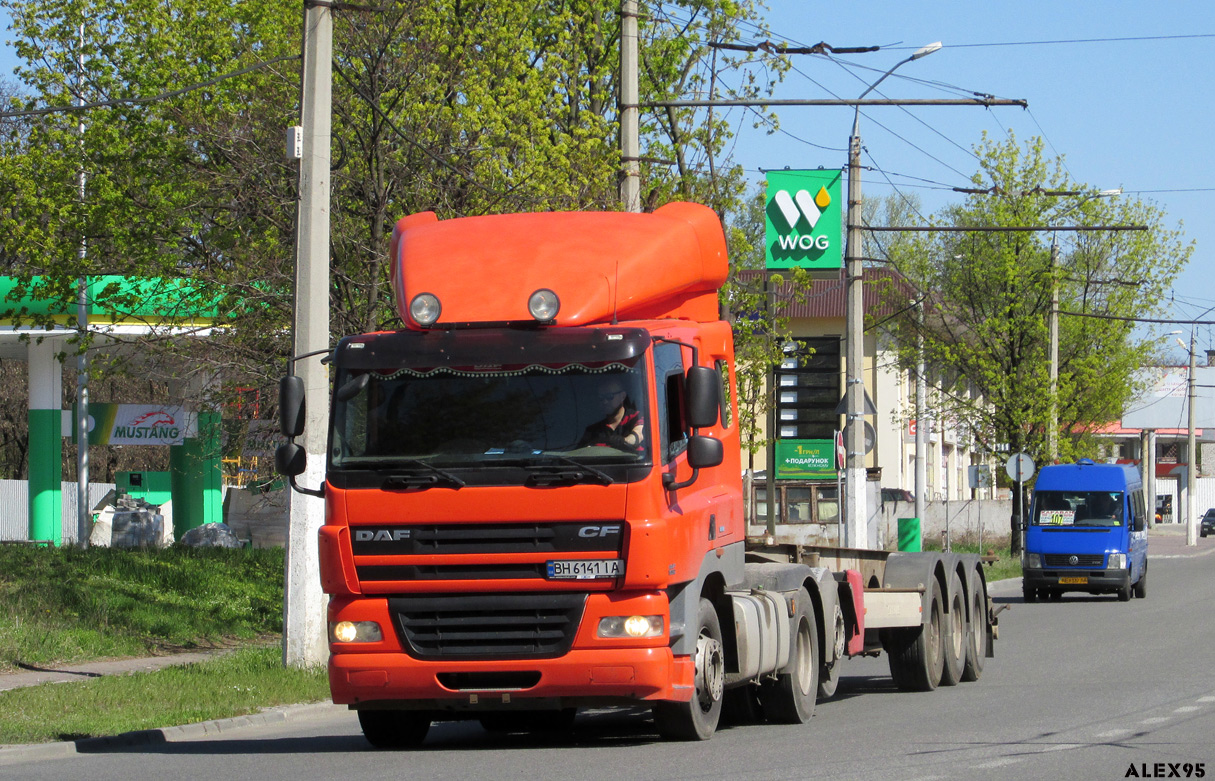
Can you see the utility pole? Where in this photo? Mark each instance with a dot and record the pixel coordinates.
(630, 111)
(1191, 469)
(83, 511)
(304, 642)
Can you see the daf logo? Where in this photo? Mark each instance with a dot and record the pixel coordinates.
(599, 531)
(381, 535)
(1074, 560)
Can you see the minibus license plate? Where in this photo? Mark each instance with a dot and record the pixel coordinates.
(1074, 581)
(585, 569)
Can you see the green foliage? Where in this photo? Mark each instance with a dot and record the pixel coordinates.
(987, 313)
(234, 684)
(68, 604)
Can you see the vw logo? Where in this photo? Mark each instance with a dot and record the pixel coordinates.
(1074, 560)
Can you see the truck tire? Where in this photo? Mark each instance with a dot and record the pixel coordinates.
(1141, 586)
(976, 638)
(916, 656)
(953, 634)
(697, 719)
(829, 674)
(790, 699)
(1028, 594)
(394, 728)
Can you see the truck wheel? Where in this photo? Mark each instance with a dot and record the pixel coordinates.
(829, 674)
(976, 646)
(1028, 594)
(697, 719)
(916, 658)
(790, 699)
(394, 728)
(953, 634)
(1141, 586)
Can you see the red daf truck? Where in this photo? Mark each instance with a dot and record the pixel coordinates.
(534, 499)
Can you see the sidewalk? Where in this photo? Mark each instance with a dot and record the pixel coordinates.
(32, 676)
(1167, 541)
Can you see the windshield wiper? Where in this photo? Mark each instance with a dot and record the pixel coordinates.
(435, 477)
(580, 473)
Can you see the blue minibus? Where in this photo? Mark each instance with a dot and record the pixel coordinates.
(1086, 531)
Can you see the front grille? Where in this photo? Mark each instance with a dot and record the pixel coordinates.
(479, 626)
(1082, 559)
(481, 538)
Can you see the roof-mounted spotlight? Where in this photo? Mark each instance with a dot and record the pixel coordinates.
(544, 305)
(425, 309)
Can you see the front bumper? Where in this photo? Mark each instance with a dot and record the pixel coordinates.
(579, 678)
(1095, 581)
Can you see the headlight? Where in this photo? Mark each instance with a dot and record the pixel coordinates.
(630, 626)
(1117, 561)
(543, 305)
(355, 632)
(1033, 561)
(425, 309)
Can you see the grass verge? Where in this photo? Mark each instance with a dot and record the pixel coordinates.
(62, 605)
(1005, 566)
(241, 682)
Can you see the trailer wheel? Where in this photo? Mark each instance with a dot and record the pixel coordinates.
(697, 719)
(953, 634)
(916, 657)
(976, 646)
(829, 674)
(790, 699)
(1141, 586)
(394, 728)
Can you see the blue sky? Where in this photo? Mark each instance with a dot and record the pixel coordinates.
(1135, 114)
(1124, 90)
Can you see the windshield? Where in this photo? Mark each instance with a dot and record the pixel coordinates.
(1077, 508)
(452, 417)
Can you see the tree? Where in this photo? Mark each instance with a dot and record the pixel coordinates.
(463, 108)
(987, 299)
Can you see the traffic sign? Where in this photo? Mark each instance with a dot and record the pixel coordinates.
(1020, 467)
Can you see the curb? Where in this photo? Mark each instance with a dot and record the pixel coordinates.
(15, 754)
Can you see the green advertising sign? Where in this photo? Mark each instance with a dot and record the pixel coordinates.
(802, 223)
(803, 459)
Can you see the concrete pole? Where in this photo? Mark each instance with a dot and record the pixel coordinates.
(1191, 470)
(1052, 431)
(84, 515)
(921, 436)
(630, 112)
(304, 605)
(1148, 462)
(856, 509)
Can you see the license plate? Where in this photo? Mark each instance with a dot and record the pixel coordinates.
(585, 569)
(1074, 581)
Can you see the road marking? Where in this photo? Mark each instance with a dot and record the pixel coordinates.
(1187, 709)
(1113, 733)
(998, 763)
(1208, 698)
(1155, 720)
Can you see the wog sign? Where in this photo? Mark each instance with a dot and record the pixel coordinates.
(802, 222)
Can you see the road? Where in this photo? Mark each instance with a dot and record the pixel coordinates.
(1086, 688)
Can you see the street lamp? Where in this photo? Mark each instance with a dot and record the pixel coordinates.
(1191, 499)
(855, 507)
(1052, 433)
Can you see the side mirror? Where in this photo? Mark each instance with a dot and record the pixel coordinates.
(703, 396)
(704, 452)
(291, 406)
(290, 460)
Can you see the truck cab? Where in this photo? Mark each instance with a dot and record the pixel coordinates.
(1087, 531)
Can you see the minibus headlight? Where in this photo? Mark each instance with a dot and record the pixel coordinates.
(1033, 561)
(1117, 561)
